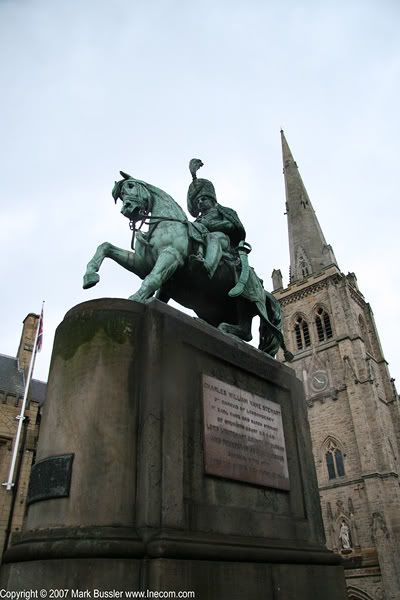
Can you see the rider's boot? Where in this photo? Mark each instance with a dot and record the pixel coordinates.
(198, 257)
(213, 255)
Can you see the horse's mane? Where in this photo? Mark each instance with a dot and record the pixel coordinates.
(164, 198)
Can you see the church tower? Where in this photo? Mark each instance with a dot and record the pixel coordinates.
(353, 406)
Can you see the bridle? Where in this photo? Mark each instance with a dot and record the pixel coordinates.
(149, 220)
(146, 218)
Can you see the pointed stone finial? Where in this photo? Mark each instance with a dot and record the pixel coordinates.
(277, 283)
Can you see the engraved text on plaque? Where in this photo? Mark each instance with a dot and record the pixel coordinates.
(243, 436)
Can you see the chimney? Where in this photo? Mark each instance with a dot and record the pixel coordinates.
(25, 348)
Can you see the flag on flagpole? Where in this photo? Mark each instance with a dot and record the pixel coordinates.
(40, 334)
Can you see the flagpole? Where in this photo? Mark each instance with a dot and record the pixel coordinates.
(21, 417)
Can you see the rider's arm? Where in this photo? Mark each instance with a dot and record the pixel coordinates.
(221, 225)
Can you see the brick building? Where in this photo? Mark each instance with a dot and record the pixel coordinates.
(353, 405)
(13, 372)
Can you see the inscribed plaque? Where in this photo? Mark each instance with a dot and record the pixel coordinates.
(243, 436)
(50, 478)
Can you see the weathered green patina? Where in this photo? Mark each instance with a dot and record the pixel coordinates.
(224, 230)
(202, 265)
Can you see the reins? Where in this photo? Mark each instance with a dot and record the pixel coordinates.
(150, 222)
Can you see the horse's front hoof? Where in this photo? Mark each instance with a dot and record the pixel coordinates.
(135, 298)
(139, 298)
(235, 331)
(90, 279)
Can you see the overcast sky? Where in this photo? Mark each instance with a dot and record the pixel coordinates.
(92, 87)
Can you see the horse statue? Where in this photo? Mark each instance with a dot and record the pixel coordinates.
(161, 257)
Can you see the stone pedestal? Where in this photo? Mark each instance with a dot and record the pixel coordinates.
(127, 504)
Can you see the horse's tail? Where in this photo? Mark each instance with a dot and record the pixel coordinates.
(271, 336)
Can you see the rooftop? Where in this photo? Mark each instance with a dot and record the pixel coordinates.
(12, 380)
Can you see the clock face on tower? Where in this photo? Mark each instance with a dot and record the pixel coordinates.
(319, 381)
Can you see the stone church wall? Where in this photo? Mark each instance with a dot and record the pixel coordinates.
(359, 411)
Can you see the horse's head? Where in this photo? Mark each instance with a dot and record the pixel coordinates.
(136, 197)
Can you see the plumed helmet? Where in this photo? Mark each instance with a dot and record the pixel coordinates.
(198, 187)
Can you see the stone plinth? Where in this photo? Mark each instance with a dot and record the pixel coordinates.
(125, 398)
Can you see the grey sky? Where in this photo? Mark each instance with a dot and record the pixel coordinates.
(90, 87)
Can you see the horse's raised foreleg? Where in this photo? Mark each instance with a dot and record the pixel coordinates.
(129, 260)
(167, 263)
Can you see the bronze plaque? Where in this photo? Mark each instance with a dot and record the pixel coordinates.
(243, 436)
(50, 478)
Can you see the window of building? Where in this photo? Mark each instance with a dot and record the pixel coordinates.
(357, 594)
(334, 460)
(323, 323)
(5, 449)
(302, 333)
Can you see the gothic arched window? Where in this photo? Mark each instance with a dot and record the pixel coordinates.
(323, 323)
(302, 333)
(357, 594)
(334, 460)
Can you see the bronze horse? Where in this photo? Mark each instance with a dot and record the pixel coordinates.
(160, 258)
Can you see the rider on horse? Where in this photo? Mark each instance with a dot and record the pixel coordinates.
(160, 256)
(223, 229)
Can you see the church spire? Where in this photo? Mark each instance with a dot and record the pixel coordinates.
(309, 252)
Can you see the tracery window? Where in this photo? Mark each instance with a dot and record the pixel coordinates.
(302, 333)
(334, 460)
(323, 324)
